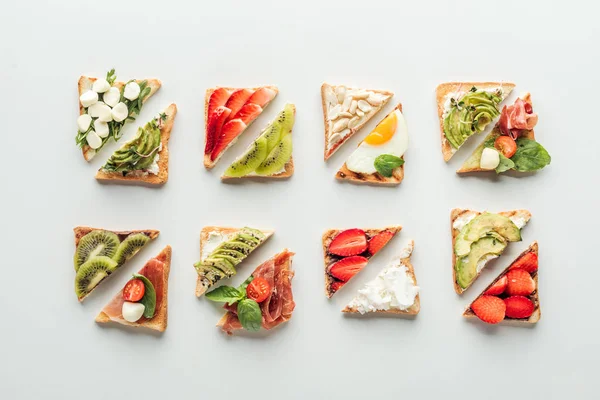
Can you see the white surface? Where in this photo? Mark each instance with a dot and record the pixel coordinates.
(50, 346)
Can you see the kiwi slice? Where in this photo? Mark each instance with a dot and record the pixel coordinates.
(95, 243)
(272, 134)
(248, 162)
(222, 264)
(286, 118)
(129, 247)
(91, 273)
(278, 157)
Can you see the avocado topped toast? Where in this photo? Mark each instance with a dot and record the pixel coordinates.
(511, 145)
(145, 158)
(270, 155)
(513, 296)
(478, 238)
(222, 250)
(100, 252)
(105, 106)
(466, 108)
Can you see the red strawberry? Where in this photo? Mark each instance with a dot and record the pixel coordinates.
(498, 287)
(237, 100)
(529, 262)
(378, 241)
(520, 283)
(347, 267)
(262, 96)
(229, 132)
(337, 285)
(349, 243)
(213, 129)
(218, 98)
(249, 112)
(518, 307)
(490, 309)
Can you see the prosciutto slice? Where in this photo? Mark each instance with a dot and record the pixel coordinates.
(153, 270)
(278, 307)
(515, 118)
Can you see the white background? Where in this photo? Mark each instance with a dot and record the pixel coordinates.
(50, 346)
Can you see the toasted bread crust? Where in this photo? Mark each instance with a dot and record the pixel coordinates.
(329, 153)
(81, 231)
(225, 231)
(376, 179)
(328, 260)
(159, 321)
(85, 83)
(208, 163)
(457, 212)
(537, 312)
(163, 162)
(412, 310)
(443, 89)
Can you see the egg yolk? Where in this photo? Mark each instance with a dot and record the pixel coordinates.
(384, 131)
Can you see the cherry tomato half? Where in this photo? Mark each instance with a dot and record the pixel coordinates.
(258, 290)
(506, 145)
(134, 290)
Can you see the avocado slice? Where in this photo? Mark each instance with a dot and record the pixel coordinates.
(221, 264)
(139, 152)
(466, 267)
(209, 274)
(481, 226)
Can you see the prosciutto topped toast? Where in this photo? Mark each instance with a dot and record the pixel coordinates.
(227, 113)
(277, 308)
(156, 271)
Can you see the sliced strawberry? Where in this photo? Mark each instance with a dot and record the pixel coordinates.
(520, 283)
(229, 132)
(213, 129)
(262, 96)
(498, 287)
(528, 262)
(349, 243)
(237, 100)
(347, 267)
(378, 241)
(337, 285)
(218, 98)
(518, 307)
(490, 309)
(249, 112)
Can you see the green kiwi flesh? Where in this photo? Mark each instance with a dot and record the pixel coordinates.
(95, 243)
(278, 157)
(91, 273)
(129, 247)
(248, 162)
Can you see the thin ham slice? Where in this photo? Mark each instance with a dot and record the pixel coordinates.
(278, 307)
(515, 119)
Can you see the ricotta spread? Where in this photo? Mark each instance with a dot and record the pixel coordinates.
(463, 220)
(518, 220)
(212, 242)
(484, 260)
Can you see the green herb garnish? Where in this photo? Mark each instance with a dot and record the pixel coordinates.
(248, 310)
(530, 156)
(386, 163)
(249, 314)
(149, 299)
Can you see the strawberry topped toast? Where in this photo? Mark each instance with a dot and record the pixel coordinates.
(513, 295)
(228, 112)
(143, 300)
(346, 252)
(265, 300)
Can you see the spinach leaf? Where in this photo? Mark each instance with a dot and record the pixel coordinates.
(385, 164)
(505, 164)
(226, 294)
(249, 315)
(530, 156)
(149, 299)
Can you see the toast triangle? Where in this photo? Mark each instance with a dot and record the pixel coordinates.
(227, 232)
(444, 89)
(159, 321)
(329, 99)
(163, 161)
(523, 215)
(85, 83)
(534, 297)
(404, 260)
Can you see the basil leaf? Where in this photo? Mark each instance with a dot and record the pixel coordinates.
(505, 164)
(249, 315)
(149, 299)
(530, 156)
(244, 285)
(385, 164)
(490, 142)
(225, 294)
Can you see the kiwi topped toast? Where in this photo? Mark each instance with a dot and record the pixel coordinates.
(100, 252)
(145, 158)
(346, 110)
(222, 249)
(270, 155)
